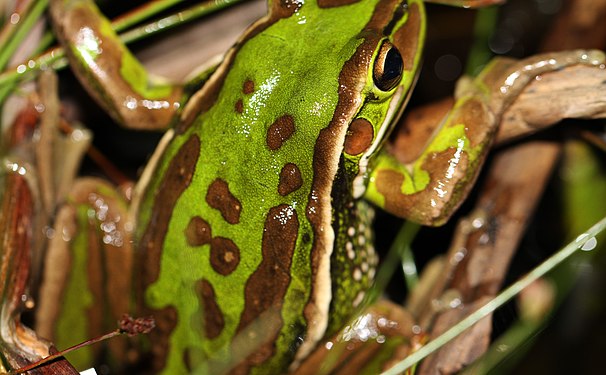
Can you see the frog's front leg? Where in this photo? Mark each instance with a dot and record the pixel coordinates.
(110, 73)
(429, 189)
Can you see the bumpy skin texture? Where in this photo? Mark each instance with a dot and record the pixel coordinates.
(252, 210)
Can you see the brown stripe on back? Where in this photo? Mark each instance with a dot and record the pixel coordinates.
(177, 178)
(406, 38)
(265, 289)
(220, 198)
(327, 152)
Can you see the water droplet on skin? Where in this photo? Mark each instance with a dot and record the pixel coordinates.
(458, 256)
(15, 18)
(450, 299)
(49, 232)
(477, 223)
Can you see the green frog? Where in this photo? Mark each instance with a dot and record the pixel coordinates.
(251, 223)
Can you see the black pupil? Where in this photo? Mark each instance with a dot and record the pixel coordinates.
(392, 70)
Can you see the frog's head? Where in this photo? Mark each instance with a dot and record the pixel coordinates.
(319, 80)
(366, 52)
(348, 64)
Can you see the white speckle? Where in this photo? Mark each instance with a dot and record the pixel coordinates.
(130, 103)
(477, 223)
(371, 273)
(357, 274)
(454, 303)
(328, 345)
(364, 267)
(484, 239)
(351, 231)
(458, 256)
(351, 254)
(361, 228)
(358, 300)
(361, 240)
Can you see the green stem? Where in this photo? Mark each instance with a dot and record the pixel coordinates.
(15, 35)
(498, 301)
(175, 19)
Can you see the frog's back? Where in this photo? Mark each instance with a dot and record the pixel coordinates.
(247, 226)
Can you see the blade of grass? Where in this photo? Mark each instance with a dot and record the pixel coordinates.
(400, 247)
(20, 31)
(499, 300)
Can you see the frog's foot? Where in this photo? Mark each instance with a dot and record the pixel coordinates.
(109, 71)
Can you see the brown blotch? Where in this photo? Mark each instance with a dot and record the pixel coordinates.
(248, 87)
(359, 136)
(265, 289)
(198, 232)
(213, 316)
(239, 107)
(280, 131)
(284, 8)
(290, 179)
(220, 198)
(224, 255)
(166, 321)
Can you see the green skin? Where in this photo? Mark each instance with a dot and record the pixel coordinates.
(311, 229)
(254, 242)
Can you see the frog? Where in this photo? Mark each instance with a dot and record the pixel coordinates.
(251, 224)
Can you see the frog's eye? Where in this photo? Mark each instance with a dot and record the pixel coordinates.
(388, 68)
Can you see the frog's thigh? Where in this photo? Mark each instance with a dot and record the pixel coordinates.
(86, 280)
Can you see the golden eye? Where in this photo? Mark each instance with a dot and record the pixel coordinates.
(388, 68)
